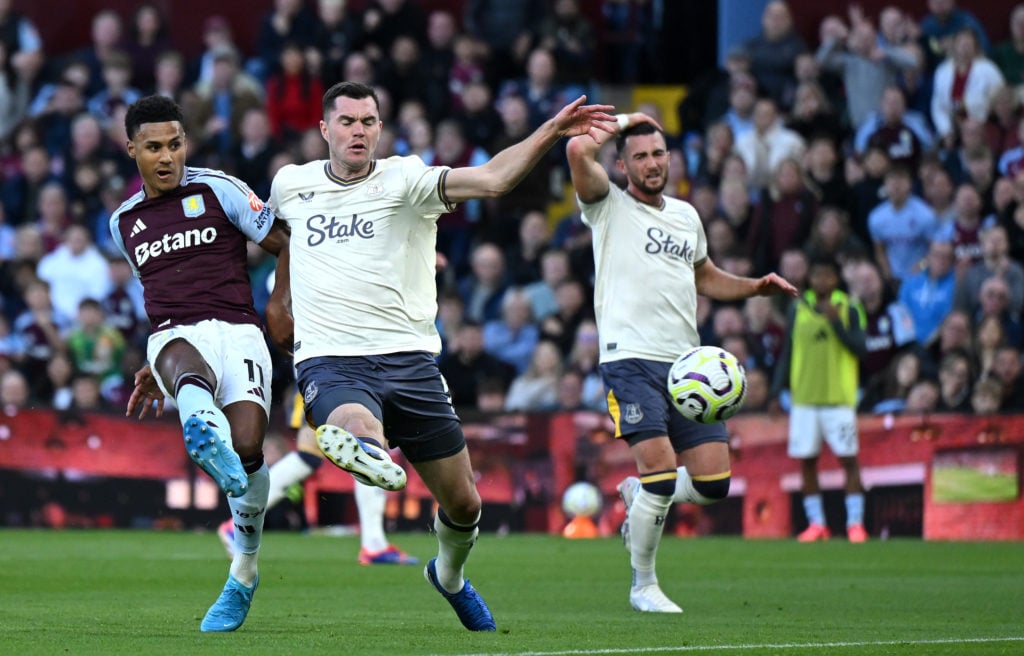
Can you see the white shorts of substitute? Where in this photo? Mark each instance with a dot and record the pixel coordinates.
(810, 425)
(237, 354)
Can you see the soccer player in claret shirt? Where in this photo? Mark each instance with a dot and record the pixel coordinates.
(185, 235)
(365, 300)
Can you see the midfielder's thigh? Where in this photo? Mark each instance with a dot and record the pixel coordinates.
(804, 432)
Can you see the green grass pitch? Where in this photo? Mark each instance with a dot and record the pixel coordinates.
(140, 592)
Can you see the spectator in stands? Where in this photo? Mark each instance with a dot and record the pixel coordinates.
(21, 190)
(768, 144)
(483, 289)
(785, 216)
(1007, 369)
(480, 120)
(903, 134)
(938, 193)
(336, 34)
(994, 301)
(928, 294)
(21, 42)
(718, 144)
(533, 192)
(735, 208)
(964, 84)
(584, 359)
(455, 229)
(223, 100)
(95, 346)
(537, 387)
(523, 257)
(923, 397)
(75, 271)
(466, 365)
(147, 39)
(436, 61)
(59, 372)
(742, 95)
(989, 336)
(87, 394)
(38, 329)
(964, 231)
(54, 215)
(995, 260)
(764, 331)
(117, 90)
(832, 237)
(385, 21)
(170, 76)
(955, 376)
(359, 68)
(866, 177)
(540, 88)
(554, 269)
(707, 97)
(942, 24)
(105, 38)
(513, 337)
(251, 157)
(1002, 130)
(901, 228)
(468, 65)
(888, 392)
(561, 327)
(986, 397)
(569, 35)
(402, 74)
(773, 51)
(812, 115)
(1009, 54)
(292, 94)
(217, 36)
(866, 65)
(124, 305)
(1012, 159)
(888, 328)
(288, 21)
(15, 394)
(505, 27)
(15, 93)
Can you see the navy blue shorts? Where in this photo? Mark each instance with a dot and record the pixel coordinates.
(640, 406)
(405, 391)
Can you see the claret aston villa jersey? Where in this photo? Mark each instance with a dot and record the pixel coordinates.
(188, 247)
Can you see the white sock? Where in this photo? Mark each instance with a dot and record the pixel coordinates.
(646, 524)
(248, 512)
(285, 473)
(371, 502)
(453, 547)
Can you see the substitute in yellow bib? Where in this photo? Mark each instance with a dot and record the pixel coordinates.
(819, 365)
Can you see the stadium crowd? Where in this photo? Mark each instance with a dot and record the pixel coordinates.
(894, 144)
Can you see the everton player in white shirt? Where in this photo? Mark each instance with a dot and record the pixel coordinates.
(642, 235)
(364, 301)
(185, 235)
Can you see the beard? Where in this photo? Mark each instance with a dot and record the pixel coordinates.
(642, 184)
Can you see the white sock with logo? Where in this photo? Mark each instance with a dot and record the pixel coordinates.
(646, 524)
(371, 502)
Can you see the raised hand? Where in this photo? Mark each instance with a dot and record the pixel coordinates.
(576, 119)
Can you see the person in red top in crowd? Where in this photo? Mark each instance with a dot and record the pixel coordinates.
(293, 95)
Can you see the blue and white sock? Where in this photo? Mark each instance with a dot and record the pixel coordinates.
(854, 508)
(193, 395)
(248, 513)
(815, 509)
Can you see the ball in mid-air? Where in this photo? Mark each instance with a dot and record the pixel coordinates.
(581, 499)
(707, 384)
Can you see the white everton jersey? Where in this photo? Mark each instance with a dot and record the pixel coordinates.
(362, 256)
(645, 296)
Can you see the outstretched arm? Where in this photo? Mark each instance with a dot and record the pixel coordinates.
(506, 169)
(724, 286)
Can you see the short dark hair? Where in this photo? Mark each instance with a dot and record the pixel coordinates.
(151, 109)
(641, 128)
(356, 90)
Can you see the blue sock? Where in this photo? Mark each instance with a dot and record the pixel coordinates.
(854, 509)
(814, 509)
(194, 396)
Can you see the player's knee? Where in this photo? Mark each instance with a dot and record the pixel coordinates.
(660, 483)
(713, 488)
